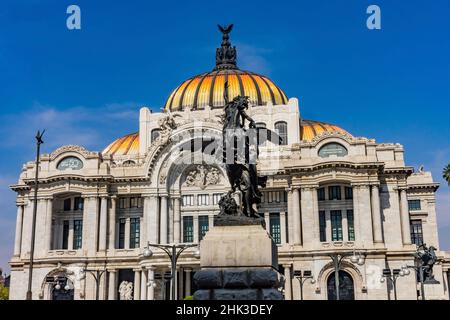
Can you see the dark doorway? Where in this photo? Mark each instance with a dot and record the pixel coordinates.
(346, 287)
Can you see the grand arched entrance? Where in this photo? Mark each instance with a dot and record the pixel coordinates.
(346, 286)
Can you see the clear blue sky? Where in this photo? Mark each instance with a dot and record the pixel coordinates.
(86, 86)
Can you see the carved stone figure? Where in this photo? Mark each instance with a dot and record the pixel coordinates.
(202, 176)
(126, 290)
(243, 150)
(167, 125)
(427, 258)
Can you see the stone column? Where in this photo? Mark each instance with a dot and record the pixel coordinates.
(288, 282)
(112, 290)
(180, 281)
(127, 233)
(70, 238)
(137, 285)
(48, 223)
(176, 220)
(267, 221)
(365, 222)
(283, 227)
(290, 216)
(310, 214)
(195, 218)
(210, 221)
(356, 214)
(144, 284)
(151, 279)
(376, 215)
(344, 226)
(112, 223)
(296, 212)
(103, 224)
(90, 225)
(315, 213)
(163, 222)
(328, 232)
(151, 214)
(187, 286)
(18, 238)
(404, 214)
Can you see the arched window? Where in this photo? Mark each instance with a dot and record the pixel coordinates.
(155, 134)
(346, 286)
(262, 134)
(281, 130)
(70, 162)
(129, 163)
(333, 149)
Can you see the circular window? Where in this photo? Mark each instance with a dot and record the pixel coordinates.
(332, 149)
(70, 163)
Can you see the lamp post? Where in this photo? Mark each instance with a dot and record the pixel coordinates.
(393, 276)
(307, 274)
(337, 258)
(173, 251)
(39, 141)
(97, 274)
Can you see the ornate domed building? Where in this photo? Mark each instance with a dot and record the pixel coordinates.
(334, 203)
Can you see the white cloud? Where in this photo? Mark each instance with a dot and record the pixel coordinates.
(253, 58)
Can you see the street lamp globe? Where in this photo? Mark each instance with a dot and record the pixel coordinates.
(197, 254)
(401, 273)
(407, 272)
(147, 253)
(354, 258)
(67, 287)
(58, 286)
(382, 280)
(361, 261)
(313, 281)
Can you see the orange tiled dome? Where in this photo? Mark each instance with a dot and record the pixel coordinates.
(127, 145)
(310, 129)
(207, 89)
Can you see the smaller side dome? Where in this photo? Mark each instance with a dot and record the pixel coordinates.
(125, 146)
(309, 129)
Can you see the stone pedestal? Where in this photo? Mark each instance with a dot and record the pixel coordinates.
(238, 262)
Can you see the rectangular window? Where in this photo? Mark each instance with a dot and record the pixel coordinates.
(348, 193)
(122, 233)
(216, 198)
(321, 194)
(284, 196)
(134, 202)
(203, 199)
(351, 225)
(203, 226)
(334, 193)
(65, 234)
(67, 204)
(322, 226)
(77, 234)
(414, 205)
(78, 203)
(124, 203)
(188, 200)
(134, 232)
(416, 232)
(336, 225)
(188, 229)
(287, 228)
(275, 229)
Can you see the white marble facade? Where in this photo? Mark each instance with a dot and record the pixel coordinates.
(99, 210)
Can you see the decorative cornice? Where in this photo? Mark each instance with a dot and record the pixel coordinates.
(336, 164)
(73, 148)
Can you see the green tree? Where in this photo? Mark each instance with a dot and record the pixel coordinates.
(4, 293)
(446, 173)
